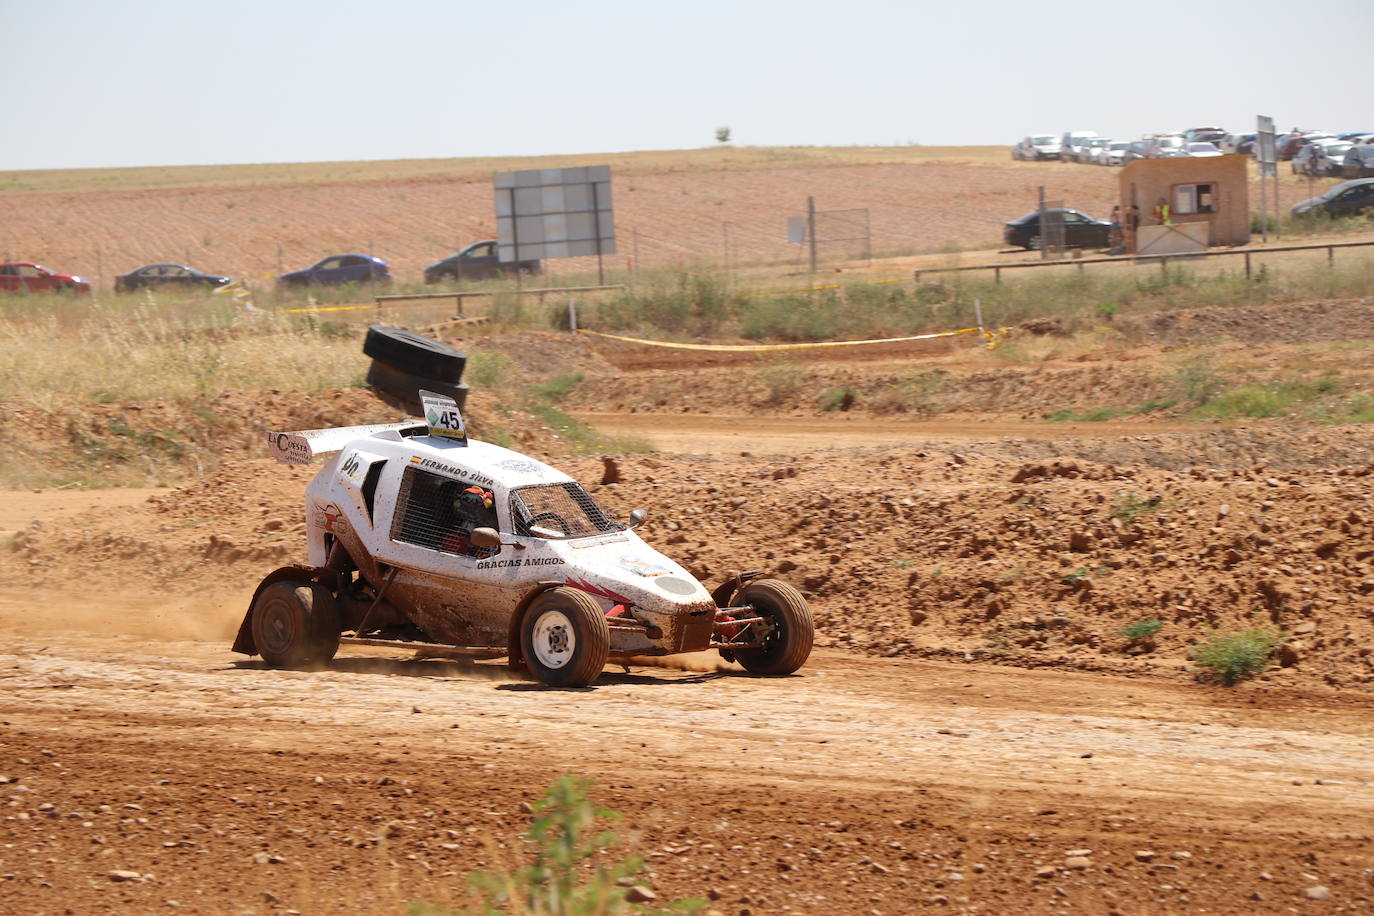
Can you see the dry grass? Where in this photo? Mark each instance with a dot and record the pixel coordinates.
(314, 173)
(100, 353)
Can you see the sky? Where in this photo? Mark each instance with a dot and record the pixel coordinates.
(156, 82)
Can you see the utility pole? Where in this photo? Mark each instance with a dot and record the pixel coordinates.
(811, 229)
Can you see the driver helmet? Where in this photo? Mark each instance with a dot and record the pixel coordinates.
(473, 497)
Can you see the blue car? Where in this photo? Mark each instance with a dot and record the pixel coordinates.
(338, 269)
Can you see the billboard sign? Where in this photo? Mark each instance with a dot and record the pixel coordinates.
(1266, 151)
(554, 213)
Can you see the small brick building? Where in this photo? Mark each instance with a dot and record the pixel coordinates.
(1213, 190)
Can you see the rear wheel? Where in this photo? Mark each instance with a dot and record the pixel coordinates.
(295, 623)
(565, 638)
(791, 632)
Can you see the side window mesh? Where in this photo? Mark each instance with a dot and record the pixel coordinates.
(439, 514)
(563, 508)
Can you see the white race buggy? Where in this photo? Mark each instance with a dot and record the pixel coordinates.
(423, 539)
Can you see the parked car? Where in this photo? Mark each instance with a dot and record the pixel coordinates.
(1037, 147)
(26, 276)
(1089, 150)
(1200, 149)
(1289, 144)
(1359, 162)
(160, 275)
(1319, 158)
(1136, 150)
(1114, 153)
(1216, 135)
(1344, 199)
(1239, 143)
(1080, 230)
(478, 261)
(1165, 146)
(1072, 142)
(338, 269)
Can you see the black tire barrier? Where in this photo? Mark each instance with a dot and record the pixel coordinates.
(405, 386)
(415, 354)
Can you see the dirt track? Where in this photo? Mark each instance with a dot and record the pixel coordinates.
(909, 766)
(859, 786)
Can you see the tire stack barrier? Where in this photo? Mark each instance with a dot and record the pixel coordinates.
(404, 362)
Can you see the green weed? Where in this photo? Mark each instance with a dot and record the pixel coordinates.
(564, 877)
(1131, 507)
(1230, 657)
(836, 399)
(1138, 630)
(556, 388)
(583, 439)
(780, 377)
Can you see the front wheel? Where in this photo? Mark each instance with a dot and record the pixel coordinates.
(791, 632)
(565, 638)
(295, 624)
(1034, 243)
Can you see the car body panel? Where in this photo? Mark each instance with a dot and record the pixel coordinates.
(1344, 199)
(28, 277)
(175, 275)
(468, 596)
(478, 261)
(338, 269)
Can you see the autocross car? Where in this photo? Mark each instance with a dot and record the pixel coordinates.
(423, 539)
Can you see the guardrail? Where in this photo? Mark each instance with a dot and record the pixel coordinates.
(460, 296)
(1163, 259)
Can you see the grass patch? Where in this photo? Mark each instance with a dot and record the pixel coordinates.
(1138, 630)
(833, 399)
(583, 439)
(1268, 399)
(556, 388)
(1231, 657)
(916, 393)
(489, 369)
(780, 377)
(567, 874)
(1131, 507)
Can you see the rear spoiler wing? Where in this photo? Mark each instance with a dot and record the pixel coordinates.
(301, 446)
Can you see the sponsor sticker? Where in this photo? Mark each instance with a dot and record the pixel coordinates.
(466, 475)
(443, 416)
(511, 564)
(643, 567)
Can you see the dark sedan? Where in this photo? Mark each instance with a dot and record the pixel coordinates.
(1345, 199)
(339, 269)
(478, 261)
(160, 275)
(1359, 162)
(1080, 230)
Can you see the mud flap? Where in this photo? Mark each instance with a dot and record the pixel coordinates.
(243, 642)
(724, 594)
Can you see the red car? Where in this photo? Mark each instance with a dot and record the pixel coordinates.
(25, 276)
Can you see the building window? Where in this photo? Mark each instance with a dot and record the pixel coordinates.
(1195, 198)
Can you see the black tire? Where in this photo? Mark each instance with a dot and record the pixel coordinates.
(788, 646)
(1033, 243)
(295, 624)
(410, 352)
(405, 387)
(564, 638)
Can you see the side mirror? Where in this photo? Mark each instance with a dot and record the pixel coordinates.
(485, 537)
(637, 518)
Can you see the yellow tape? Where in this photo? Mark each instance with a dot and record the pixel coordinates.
(755, 348)
(326, 308)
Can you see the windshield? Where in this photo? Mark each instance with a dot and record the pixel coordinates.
(1122, 145)
(1170, 142)
(1201, 148)
(1097, 142)
(559, 510)
(1042, 141)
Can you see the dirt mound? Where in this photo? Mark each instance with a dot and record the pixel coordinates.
(1036, 562)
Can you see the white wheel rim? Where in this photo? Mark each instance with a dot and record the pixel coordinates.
(554, 641)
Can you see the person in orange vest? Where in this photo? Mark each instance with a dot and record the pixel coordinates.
(1161, 213)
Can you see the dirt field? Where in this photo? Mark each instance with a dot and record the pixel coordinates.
(671, 208)
(973, 733)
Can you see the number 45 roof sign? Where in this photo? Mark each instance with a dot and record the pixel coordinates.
(443, 416)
